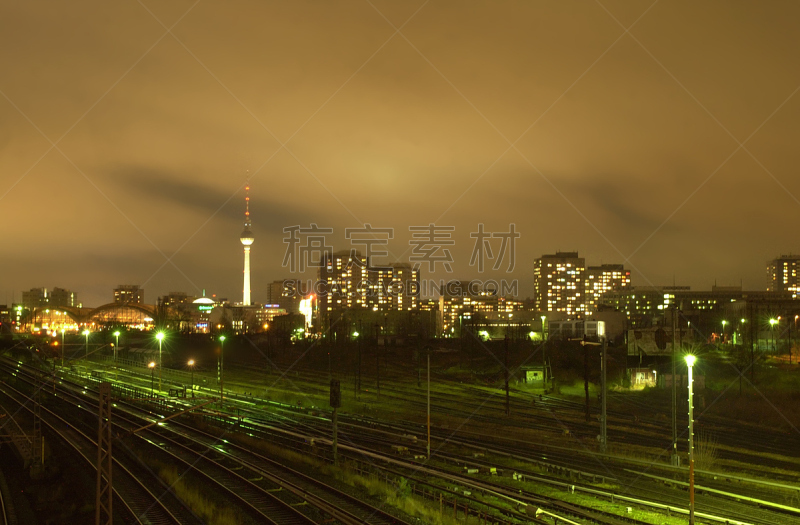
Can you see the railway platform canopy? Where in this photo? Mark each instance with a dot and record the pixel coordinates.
(128, 315)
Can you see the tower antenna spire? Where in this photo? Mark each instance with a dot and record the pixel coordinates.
(246, 239)
(247, 205)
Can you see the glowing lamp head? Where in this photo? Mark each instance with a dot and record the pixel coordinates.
(152, 364)
(690, 359)
(86, 332)
(191, 362)
(160, 336)
(222, 338)
(116, 334)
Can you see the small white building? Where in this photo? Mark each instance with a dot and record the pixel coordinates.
(576, 328)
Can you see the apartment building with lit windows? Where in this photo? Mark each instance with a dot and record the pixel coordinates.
(559, 282)
(396, 287)
(129, 294)
(37, 298)
(604, 279)
(349, 282)
(782, 275)
(460, 300)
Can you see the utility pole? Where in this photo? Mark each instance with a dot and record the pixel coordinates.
(604, 420)
(419, 369)
(335, 402)
(335, 437)
(544, 358)
(37, 440)
(358, 377)
(378, 360)
(103, 510)
(586, 374)
(753, 341)
(508, 407)
(429, 403)
(674, 458)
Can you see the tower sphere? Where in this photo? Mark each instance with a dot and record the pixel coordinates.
(246, 237)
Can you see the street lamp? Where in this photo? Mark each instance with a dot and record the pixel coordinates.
(690, 359)
(116, 335)
(722, 339)
(152, 366)
(741, 329)
(544, 360)
(160, 337)
(86, 333)
(221, 367)
(772, 323)
(63, 348)
(191, 364)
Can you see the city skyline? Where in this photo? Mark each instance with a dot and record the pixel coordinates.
(671, 144)
(592, 282)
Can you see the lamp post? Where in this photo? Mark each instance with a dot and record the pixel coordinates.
(722, 339)
(86, 333)
(160, 337)
(544, 361)
(152, 366)
(221, 367)
(63, 348)
(604, 405)
(772, 323)
(116, 335)
(429, 402)
(690, 359)
(741, 330)
(191, 365)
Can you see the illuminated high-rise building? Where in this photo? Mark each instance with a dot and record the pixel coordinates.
(247, 239)
(346, 280)
(34, 298)
(559, 283)
(394, 287)
(129, 294)
(350, 283)
(602, 279)
(782, 275)
(285, 296)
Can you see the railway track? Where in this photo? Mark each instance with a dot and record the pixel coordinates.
(632, 486)
(7, 516)
(248, 478)
(677, 497)
(309, 427)
(132, 484)
(553, 415)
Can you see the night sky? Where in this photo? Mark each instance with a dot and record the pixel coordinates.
(127, 130)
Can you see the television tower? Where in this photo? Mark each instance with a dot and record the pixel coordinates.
(247, 240)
